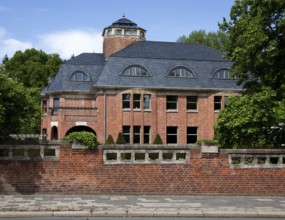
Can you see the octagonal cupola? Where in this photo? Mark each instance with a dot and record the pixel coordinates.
(120, 34)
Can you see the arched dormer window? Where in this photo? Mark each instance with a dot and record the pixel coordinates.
(223, 73)
(79, 76)
(135, 70)
(181, 72)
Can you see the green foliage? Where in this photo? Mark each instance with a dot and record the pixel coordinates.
(19, 108)
(217, 40)
(157, 140)
(87, 139)
(120, 139)
(110, 140)
(252, 121)
(210, 141)
(32, 67)
(257, 42)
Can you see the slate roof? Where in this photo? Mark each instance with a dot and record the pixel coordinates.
(158, 58)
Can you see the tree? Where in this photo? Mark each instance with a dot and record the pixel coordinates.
(110, 140)
(32, 67)
(257, 47)
(257, 42)
(252, 121)
(217, 40)
(120, 139)
(19, 109)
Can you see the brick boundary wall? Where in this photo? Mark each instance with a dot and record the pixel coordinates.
(79, 171)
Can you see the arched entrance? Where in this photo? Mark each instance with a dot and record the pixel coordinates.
(80, 128)
(54, 133)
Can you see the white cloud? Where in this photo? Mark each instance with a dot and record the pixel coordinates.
(2, 32)
(69, 42)
(10, 46)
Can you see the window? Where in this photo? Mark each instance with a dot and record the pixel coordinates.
(181, 71)
(146, 136)
(226, 98)
(134, 32)
(44, 106)
(109, 32)
(192, 102)
(217, 103)
(171, 102)
(135, 70)
(192, 135)
(79, 76)
(126, 133)
(137, 101)
(146, 102)
(171, 135)
(118, 32)
(126, 101)
(137, 134)
(127, 32)
(44, 134)
(223, 74)
(55, 105)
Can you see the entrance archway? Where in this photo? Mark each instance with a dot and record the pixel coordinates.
(80, 128)
(54, 133)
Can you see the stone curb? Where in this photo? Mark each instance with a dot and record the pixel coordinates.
(144, 213)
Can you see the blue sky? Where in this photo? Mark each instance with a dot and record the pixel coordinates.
(71, 27)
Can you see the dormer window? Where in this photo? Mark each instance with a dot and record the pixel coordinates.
(181, 72)
(79, 76)
(135, 70)
(109, 32)
(223, 73)
(134, 32)
(118, 32)
(127, 32)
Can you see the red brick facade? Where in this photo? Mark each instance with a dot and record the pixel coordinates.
(105, 115)
(79, 171)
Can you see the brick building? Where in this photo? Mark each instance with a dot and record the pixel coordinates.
(140, 88)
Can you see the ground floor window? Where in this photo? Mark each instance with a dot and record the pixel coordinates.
(44, 134)
(192, 135)
(126, 133)
(137, 134)
(217, 103)
(146, 136)
(171, 133)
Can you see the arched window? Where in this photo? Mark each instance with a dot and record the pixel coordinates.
(79, 76)
(181, 71)
(223, 73)
(135, 70)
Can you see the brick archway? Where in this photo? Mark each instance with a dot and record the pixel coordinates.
(54, 133)
(80, 128)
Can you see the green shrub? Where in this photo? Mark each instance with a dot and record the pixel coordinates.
(85, 138)
(120, 139)
(207, 142)
(110, 140)
(157, 140)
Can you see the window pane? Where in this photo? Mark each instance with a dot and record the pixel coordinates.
(137, 133)
(192, 135)
(126, 101)
(126, 133)
(171, 135)
(146, 134)
(217, 102)
(192, 102)
(134, 32)
(171, 103)
(137, 101)
(146, 101)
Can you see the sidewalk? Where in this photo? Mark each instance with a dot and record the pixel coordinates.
(140, 205)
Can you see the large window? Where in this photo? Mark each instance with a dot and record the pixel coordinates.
(126, 133)
(171, 135)
(137, 134)
(146, 102)
(135, 70)
(146, 136)
(181, 71)
(192, 135)
(55, 105)
(223, 74)
(44, 106)
(217, 103)
(171, 102)
(192, 103)
(136, 101)
(126, 101)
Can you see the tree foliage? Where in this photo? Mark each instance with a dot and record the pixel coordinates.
(19, 109)
(157, 140)
(252, 121)
(217, 40)
(88, 139)
(110, 140)
(257, 48)
(120, 139)
(32, 67)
